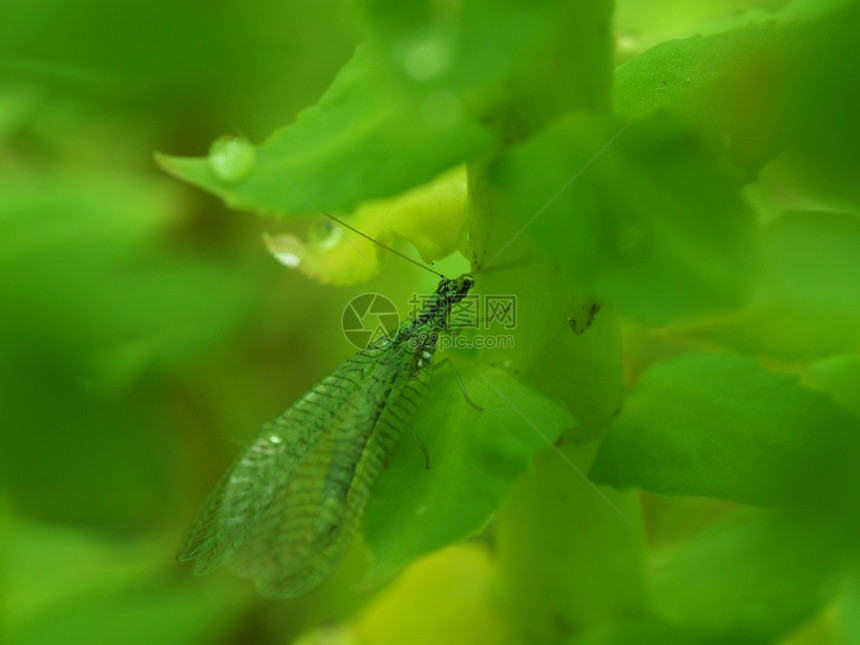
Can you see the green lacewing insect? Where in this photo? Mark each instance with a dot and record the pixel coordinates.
(288, 507)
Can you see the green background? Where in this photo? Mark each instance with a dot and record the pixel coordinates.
(714, 216)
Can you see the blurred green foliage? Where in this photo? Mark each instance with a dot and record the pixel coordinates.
(691, 227)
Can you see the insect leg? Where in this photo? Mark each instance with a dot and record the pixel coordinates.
(423, 448)
(447, 361)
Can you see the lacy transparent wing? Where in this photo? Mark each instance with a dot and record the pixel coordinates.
(304, 533)
(288, 507)
(246, 490)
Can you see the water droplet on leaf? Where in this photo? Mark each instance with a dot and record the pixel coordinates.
(231, 158)
(287, 249)
(428, 58)
(323, 232)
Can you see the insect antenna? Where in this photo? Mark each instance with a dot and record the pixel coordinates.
(322, 212)
(375, 241)
(516, 263)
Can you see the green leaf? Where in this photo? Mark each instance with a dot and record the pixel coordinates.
(475, 457)
(823, 153)
(643, 631)
(419, 98)
(556, 510)
(556, 55)
(840, 376)
(69, 582)
(762, 87)
(367, 137)
(91, 239)
(805, 302)
(422, 44)
(456, 582)
(650, 221)
(751, 578)
(430, 217)
(92, 301)
(849, 609)
(722, 426)
(147, 612)
(729, 83)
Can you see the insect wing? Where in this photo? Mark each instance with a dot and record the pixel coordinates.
(292, 501)
(302, 535)
(287, 509)
(249, 486)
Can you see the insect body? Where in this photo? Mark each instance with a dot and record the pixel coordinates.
(286, 510)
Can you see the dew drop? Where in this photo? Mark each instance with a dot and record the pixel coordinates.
(286, 249)
(231, 158)
(427, 58)
(324, 233)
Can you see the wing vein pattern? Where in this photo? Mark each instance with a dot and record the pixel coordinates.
(288, 507)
